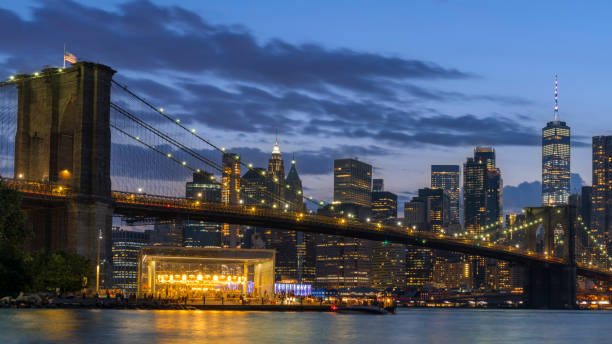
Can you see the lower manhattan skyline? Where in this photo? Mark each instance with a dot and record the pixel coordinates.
(409, 103)
(312, 172)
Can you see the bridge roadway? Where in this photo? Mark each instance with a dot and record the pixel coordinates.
(136, 205)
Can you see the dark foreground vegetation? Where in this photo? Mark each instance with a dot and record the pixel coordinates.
(22, 271)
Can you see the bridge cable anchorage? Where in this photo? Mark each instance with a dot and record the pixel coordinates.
(220, 149)
(181, 147)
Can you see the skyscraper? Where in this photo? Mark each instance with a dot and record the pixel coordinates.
(384, 206)
(345, 262)
(482, 202)
(429, 211)
(378, 185)
(446, 177)
(585, 209)
(126, 247)
(555, 160)
(474, 195)
(202, 233)
(276, 175)
(601, 197)
(437, 212)
(305, 242)
(255, 187)
(482, 191)
(230, 194)
(352, 182)
(388, 259)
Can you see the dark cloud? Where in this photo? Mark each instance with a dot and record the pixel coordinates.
(224, 78)
(146, 37)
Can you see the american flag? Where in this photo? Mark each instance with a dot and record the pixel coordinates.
(69, 57)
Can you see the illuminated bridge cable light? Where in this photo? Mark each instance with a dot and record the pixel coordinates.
(123, 87)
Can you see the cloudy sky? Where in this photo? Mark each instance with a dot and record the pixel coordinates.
(401, 85)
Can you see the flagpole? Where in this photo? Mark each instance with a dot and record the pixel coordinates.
(64, 57)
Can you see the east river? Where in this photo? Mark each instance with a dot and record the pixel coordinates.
(407, 326)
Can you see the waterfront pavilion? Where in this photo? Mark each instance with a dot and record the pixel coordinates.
(196, 273)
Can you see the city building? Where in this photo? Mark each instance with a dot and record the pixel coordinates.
(555, 160)
(586, 208)
(284, 242)
(415, 214)
(474, 196)
(482, 203)
(255, 187)
(352, 182)
(419, 260)
(601, 196)
(388, 259)
(126, 248)
(446, 177)
(230, 194)
(378, 185)
(482, 191)
(167, 233)
(428, 211)
(306, 242)
(276, 176)
(345, 262)
(203, 187)
(384, 206)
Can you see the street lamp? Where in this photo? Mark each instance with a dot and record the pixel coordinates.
(98, 264)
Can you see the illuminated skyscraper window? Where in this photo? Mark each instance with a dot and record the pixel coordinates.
(555, 160)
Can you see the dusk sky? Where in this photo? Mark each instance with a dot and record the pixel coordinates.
(401, 85)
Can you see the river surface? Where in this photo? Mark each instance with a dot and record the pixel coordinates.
(407, 326)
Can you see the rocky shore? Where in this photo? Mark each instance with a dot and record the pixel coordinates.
(53, 302)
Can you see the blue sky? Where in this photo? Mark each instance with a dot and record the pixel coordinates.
(399, 84)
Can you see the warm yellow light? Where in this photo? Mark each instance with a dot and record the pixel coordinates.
(20, 176)
(65, 174)
(215, 278)
(12, 77)
(200, 277)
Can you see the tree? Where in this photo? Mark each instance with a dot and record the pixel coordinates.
(63, 270)
(13, 229)
(13, 236)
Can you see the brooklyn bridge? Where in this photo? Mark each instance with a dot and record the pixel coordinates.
(82, 148)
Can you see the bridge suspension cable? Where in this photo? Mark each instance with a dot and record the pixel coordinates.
(127, 114)
(192, 132)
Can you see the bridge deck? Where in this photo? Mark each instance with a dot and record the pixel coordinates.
(151, 206)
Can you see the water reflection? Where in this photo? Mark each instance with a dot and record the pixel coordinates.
(415, 325)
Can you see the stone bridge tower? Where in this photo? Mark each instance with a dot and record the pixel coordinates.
(551, 286)
(63, 137)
